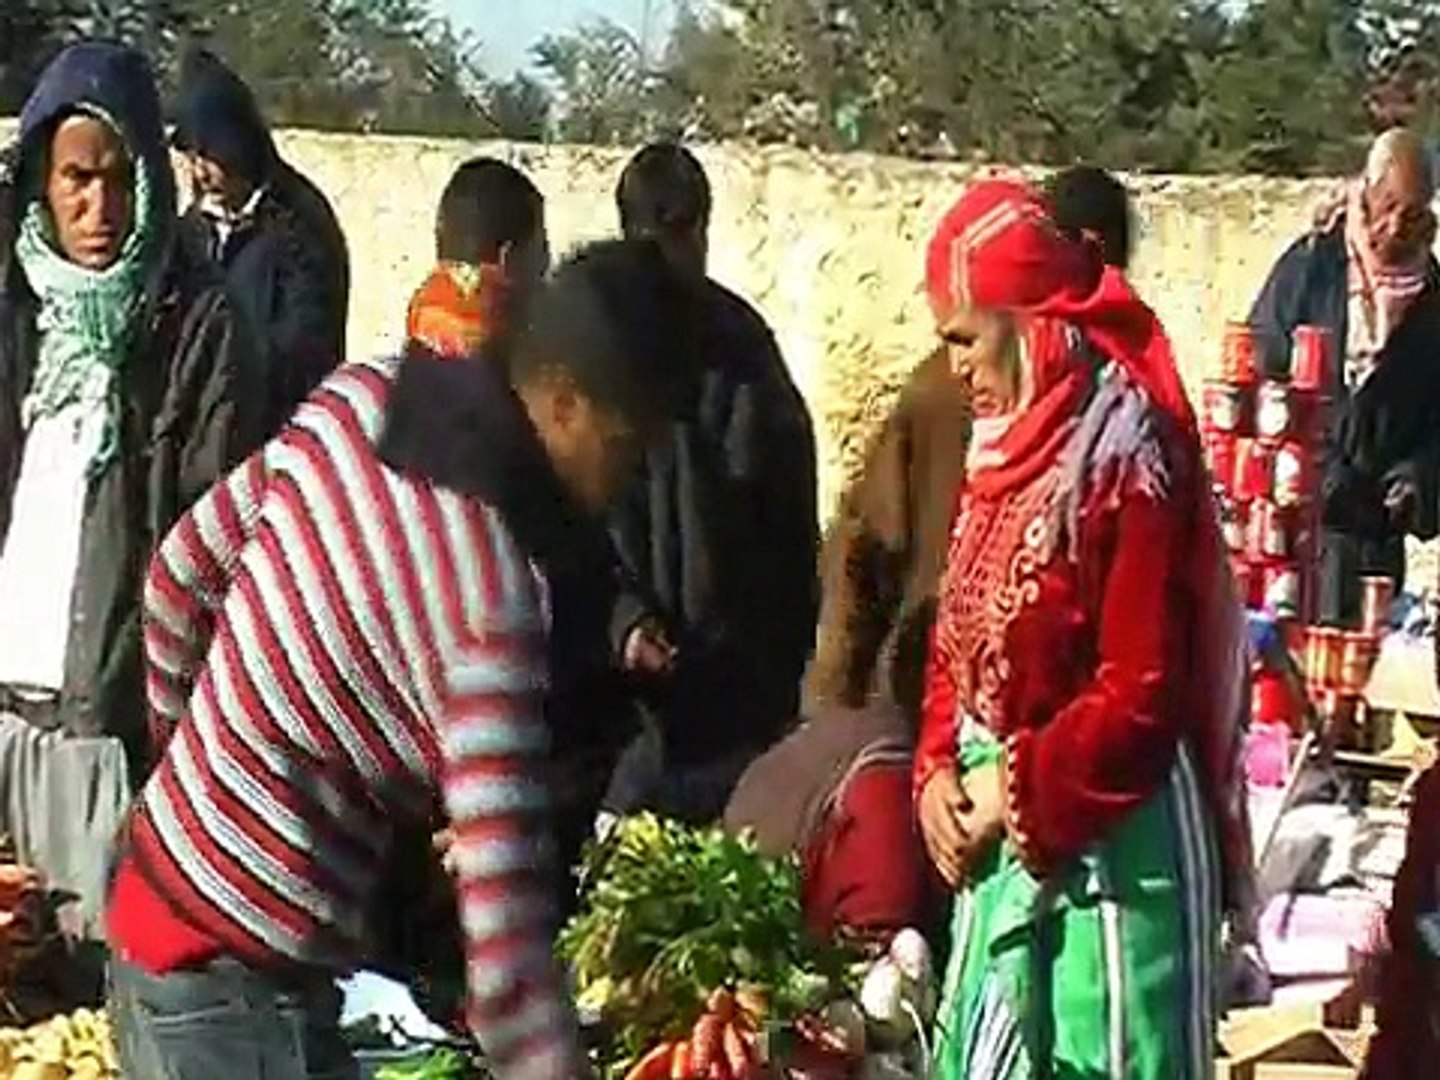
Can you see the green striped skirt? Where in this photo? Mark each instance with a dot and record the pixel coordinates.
(1107, 971)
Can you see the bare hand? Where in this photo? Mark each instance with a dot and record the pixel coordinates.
(648, 651)
(942, 803)
(1400, 498)
(983, 821)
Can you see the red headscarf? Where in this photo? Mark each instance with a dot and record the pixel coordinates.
(998, 250)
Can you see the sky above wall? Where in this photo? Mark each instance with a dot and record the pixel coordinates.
(507, 28)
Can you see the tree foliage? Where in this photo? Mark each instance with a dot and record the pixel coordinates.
(369, 65)
(1277, 86)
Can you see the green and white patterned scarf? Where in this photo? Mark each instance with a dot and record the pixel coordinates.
(87, 318)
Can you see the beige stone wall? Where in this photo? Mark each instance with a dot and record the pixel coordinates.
(829, 248)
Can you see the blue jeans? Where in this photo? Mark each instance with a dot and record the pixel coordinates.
(226, 1021)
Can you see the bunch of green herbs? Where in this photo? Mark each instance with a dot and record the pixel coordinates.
(669, 914)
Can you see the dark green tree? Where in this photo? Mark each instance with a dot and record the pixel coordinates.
(603, 93)
(519, 108)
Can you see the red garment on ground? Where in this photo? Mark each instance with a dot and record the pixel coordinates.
(867, 870)
(1406, 1045)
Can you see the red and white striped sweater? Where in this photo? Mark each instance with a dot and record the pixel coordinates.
(329, 642)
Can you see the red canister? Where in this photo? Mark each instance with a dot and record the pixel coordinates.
(1308, 413)
(1310, 358)
(1238, 354)
(1357, 657)
(1377, 595)
(1290, 474)
(1234, 524)
(1272, 411)
(1252, 469)
(1270, 535)
(1224, 405)
(1220, 454)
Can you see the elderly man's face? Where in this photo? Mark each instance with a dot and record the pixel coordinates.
(218, 185)
(90, 191)
(1402, 225)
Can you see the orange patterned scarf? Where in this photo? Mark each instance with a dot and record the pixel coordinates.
(459, 307)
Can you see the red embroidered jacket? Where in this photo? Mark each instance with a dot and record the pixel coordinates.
(1092, 654)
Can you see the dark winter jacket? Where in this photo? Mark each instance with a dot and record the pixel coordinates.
(184, 396)
(1387, 431)
(720, 537)
(287, 265)
(884, 554)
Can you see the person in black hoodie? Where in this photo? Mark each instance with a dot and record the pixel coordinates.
(718, 539)
(269, 228)
(124, 395)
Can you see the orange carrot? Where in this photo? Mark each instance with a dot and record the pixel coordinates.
(655, 1065)
(738, 1054)
(705, 1043)
(680, 1068)
(722, 1004)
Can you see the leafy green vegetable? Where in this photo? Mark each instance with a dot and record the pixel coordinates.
(674, 912)
(446, 1064)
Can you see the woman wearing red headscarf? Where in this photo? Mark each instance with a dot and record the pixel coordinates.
(1086, 678)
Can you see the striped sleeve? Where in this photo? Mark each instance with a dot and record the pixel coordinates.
(186, 585)
(495, 744)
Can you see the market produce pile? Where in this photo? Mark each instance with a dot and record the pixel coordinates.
(691, 957)
(77, 1045)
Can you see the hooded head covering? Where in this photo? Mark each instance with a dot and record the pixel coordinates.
(998, 250)
(217, 116)
(87, 318)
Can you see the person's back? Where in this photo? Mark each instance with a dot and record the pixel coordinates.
(719, 536)
(835, 794)
(347, 638)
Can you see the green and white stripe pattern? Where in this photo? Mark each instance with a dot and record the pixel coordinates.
(1108, 970)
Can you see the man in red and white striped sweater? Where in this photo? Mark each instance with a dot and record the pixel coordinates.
(348, 634)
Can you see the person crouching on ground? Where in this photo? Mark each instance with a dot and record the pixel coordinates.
(836, 793)
(348, 633)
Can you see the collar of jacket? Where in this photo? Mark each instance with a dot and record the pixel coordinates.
(458, 423)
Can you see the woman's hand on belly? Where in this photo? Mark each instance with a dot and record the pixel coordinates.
(942, 803)
(982, 822)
